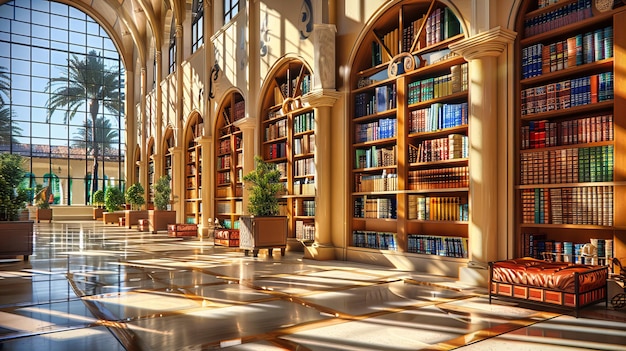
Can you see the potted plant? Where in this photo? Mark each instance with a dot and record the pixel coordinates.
(135, 198)
(161, 216)
(263, 227)
(98, 203)
(43, 212)
(16, 236)
(113, 202)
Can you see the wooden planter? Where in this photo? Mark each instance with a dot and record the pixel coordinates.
(133, 217)
(43, 214)
(112, 217)
(160, 219)
(97, 213)
(16, 238)
(263, 233)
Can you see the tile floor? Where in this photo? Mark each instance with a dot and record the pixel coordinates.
(94, 287)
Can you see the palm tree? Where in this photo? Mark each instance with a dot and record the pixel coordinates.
(7, 130)
(106, 136)
(86, 80)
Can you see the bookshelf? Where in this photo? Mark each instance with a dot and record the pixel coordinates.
(229, 170)
(193, 172)
(288, 140)
(169, 143)
(409, 136)
(570, 173)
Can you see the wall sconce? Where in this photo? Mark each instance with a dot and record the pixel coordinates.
(215, 70)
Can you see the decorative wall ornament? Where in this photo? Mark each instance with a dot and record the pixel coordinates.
(306, 19)
(265, 38)
(401, 63)
(242, 49)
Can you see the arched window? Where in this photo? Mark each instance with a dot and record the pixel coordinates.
(52, 180)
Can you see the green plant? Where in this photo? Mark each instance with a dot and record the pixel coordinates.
(134, 196)
(265, 185)
(13, 198)
(98, 198)
(41, 197)
(113, 199)
(162, 191)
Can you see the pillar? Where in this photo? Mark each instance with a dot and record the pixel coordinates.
(481, 52)
(248, 127)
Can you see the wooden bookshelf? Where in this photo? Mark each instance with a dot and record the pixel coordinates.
(288, 140)
(193, 173)
(408, 132)
(229, 169)
(570, 173)
(151, 175)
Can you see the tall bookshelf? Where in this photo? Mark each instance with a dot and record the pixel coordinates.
(229, 164)
(193, 172)
(151, 179)
(409, 134)
(570, 176)
(288, 140)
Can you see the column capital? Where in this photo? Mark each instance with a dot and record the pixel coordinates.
(489, 43)
(246, 123)
(204, 141)
(321, 97)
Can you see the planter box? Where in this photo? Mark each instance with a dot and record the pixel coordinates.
(43, 214)
(97, 213)
(263, 233)
(133, 217)
(158, 219)
(16, 238)
(182, 230)
(112, 217)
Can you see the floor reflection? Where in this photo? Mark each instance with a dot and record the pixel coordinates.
(91, 286)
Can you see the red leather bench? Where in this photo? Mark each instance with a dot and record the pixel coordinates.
(559, 284)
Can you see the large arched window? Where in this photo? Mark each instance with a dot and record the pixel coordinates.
(197, 25)
(44, 45)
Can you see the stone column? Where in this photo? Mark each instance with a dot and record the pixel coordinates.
(206, 145)
(482, 51)
(158, 96)
(248, 127)
(322, 98)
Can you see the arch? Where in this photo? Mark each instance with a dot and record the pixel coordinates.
(137, 162)
(226, 99)
(280, 64)
(194, 121)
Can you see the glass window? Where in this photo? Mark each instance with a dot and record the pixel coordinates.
(197, 25)
(172, 48)
(33, 50)
(231, 8)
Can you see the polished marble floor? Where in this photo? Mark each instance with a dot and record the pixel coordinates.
(95, 287)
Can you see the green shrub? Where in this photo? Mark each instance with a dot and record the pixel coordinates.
(113, 199)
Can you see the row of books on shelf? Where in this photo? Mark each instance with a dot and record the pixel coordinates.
(223, 162)
(191, 153)
(291, 86)
(568, 93)
(567, 14)
(544, 133)
(378, 207)
(454, 146)
(305, 231)
(441, 178)
(224, 207)
(538, 59)
(276, 130)
(594, 252)
(305, 208)
(276, 150)
(375, 182)
(572, 165)
(304, 122)
(304, 144)
(221, 177)
(382, 99)
(438, 116)
(441, 24)
(447, 246)
(305, 187)
(545, 3)
(375, 240)
(410, 31)
(436, 87)
(304, 167)
(381, 129)
(282, 168)
(437, 208)
(376, 156)
(587, 205)
(227, 223)
(224, 147)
